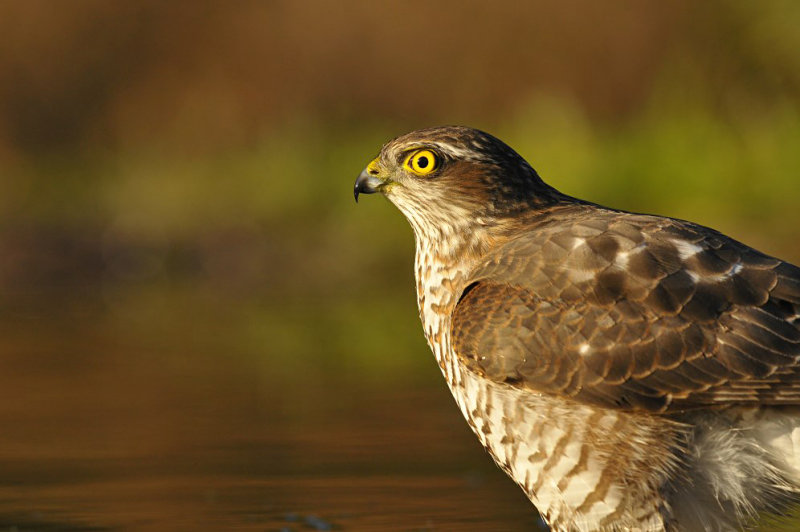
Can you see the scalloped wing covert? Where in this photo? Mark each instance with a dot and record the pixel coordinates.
(633, 311)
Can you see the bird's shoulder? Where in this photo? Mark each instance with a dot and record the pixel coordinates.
(631, 310)
(590, 238)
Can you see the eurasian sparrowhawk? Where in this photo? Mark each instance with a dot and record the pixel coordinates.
(629, 372)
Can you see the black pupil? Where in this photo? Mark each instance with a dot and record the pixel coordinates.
(422, 162)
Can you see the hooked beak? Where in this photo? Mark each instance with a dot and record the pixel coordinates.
(366, 183)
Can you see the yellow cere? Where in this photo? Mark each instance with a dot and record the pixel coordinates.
(372, 167)
(421, 162)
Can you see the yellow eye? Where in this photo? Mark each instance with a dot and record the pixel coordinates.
(421, 162)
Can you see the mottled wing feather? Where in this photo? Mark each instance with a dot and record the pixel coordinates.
(633, 311)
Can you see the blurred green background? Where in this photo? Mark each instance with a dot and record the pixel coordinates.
(152, 149)
(176, 214)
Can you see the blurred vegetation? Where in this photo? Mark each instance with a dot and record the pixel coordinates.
(182, 172)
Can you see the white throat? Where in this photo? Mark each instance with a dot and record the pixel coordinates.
(440, 281)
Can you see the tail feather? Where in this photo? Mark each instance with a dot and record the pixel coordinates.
(741, 463)
(778, 430)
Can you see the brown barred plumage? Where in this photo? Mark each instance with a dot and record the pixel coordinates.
(627, 371)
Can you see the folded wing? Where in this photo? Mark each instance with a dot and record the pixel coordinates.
(634, 312)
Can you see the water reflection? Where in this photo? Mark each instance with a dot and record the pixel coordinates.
(116, 424)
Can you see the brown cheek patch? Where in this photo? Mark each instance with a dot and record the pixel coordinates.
(468, 178)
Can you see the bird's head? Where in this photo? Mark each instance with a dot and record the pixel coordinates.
(452, 178)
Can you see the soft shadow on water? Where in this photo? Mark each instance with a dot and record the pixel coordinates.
(109, 426)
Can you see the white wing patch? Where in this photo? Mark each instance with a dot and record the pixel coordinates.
(686, 249)
(621, 260)
(623, 256)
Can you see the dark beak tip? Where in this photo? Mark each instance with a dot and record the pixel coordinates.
(365, 184)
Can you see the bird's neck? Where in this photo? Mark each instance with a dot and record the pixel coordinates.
(447, 253)
(444, 261)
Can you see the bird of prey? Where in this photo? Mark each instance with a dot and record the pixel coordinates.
(628, 371)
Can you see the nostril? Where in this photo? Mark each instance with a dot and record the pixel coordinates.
(372, 171)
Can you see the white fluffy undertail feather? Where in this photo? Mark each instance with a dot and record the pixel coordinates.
(741, 462)
(779, 431)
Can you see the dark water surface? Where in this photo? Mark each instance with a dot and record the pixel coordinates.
(155, 419)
